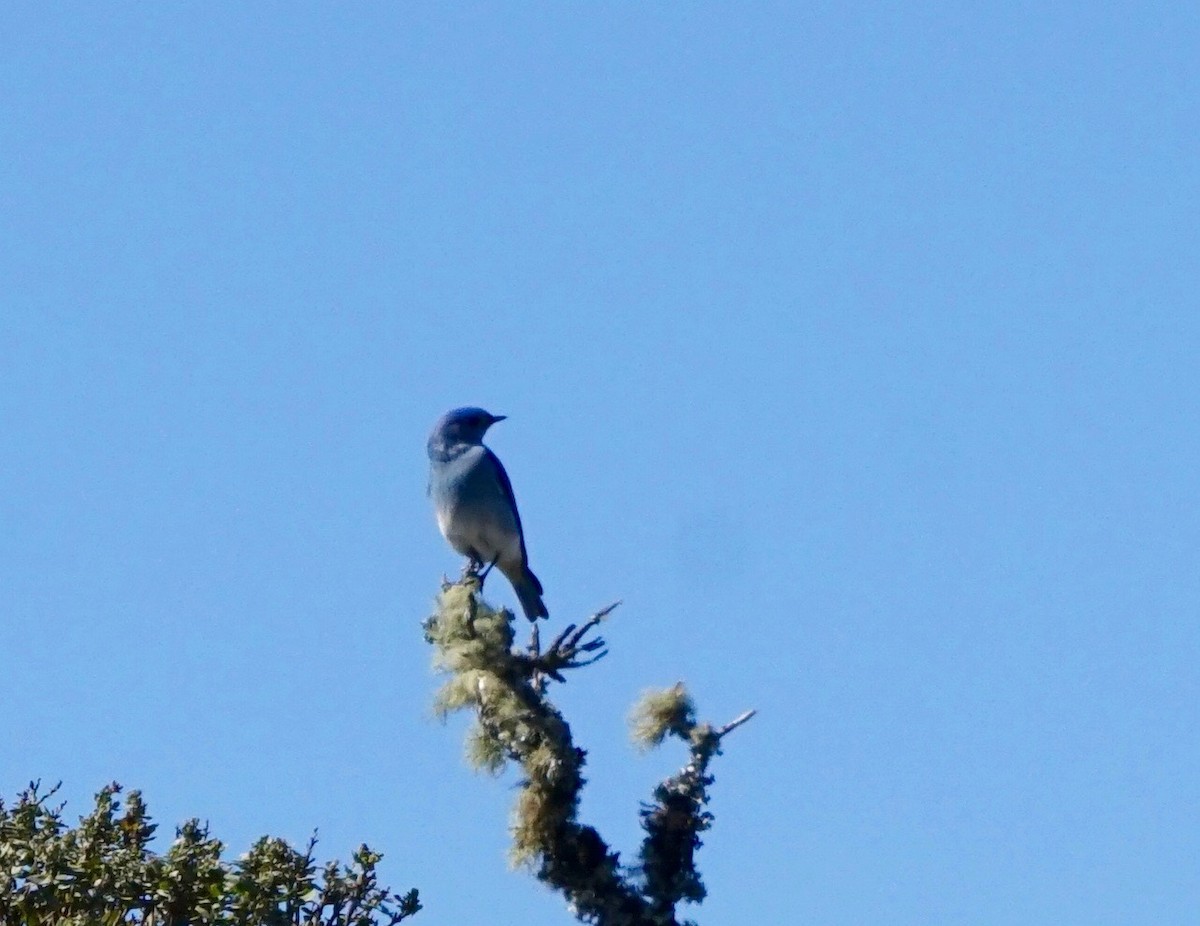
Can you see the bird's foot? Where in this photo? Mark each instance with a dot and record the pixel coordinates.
(484, 574)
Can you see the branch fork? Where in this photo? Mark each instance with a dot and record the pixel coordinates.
(505, 687)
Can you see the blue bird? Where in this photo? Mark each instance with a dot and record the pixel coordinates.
(475, 505)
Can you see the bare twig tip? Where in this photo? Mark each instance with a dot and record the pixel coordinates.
(737, 722)
(604, 612)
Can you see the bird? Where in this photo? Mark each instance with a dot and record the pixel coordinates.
(474, 503)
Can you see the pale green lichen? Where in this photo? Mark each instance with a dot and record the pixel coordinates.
(485, 752)
(661, 713)
(516, 722)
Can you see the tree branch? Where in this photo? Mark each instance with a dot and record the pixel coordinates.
(515, 721)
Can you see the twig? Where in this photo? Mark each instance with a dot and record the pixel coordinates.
(565, 650)
(736, 722)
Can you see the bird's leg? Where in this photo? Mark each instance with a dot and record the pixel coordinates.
(483, 575)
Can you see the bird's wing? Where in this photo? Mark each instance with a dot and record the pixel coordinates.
(506, 488)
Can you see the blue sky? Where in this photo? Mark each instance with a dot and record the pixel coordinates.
(854, 347)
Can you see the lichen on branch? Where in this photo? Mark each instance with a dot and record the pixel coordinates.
(515, 721)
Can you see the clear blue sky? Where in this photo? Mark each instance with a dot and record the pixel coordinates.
(855, 347)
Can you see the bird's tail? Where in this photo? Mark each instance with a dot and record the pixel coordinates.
(529, 592)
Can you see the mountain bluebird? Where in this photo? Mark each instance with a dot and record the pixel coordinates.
(474, 501)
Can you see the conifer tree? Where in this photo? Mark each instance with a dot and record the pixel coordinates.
(103, 872)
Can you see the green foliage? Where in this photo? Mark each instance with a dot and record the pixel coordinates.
(103, 873)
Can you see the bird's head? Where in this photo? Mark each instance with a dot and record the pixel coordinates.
(463, 426)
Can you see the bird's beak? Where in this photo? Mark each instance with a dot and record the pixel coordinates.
(496, 418)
